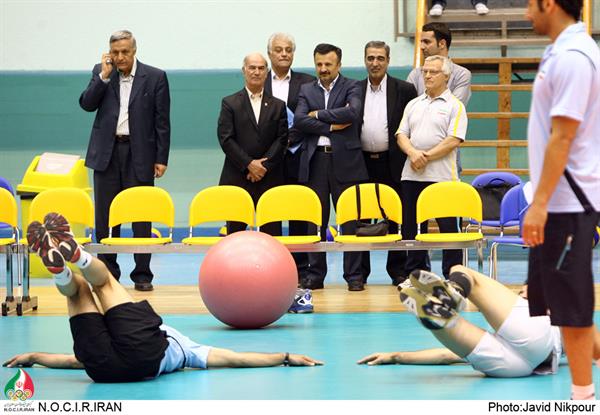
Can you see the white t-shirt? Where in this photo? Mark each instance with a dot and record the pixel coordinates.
(568, 84)
(427, 122)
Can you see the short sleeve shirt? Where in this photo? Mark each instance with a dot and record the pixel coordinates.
(182, 352)
(427, 122)
(568, 85)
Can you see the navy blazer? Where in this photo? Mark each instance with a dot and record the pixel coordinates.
(149, 119)
(343, 107)
(243, 139)
(297, 79)
(399, 93)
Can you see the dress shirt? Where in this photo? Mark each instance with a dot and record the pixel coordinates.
(374, 136)
(281, 87)
(324, 140)
(125, 84)
(255, 100)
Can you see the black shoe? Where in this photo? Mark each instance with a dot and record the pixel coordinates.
(311, 284)
(356, 285)
(143, 286)
(398, 280)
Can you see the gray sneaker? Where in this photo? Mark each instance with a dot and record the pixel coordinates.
(444, 290)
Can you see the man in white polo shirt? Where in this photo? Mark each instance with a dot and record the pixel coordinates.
(564, 137)
(433, 126)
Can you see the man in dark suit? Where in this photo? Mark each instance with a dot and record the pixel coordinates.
(284, 83)
(328, 117)
(129, 144)
(383, 100)
(253, 133)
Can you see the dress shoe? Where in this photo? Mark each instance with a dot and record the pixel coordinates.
(143, 286)
(356, 285)
(311, 284)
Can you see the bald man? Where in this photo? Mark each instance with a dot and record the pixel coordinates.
(253, 133)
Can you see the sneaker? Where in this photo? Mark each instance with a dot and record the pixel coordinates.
(62, 237)
(443, 290)
(481, 9)
(437, 10)
(41, 243)
(430, 311)
(302, 302)
(404, 284)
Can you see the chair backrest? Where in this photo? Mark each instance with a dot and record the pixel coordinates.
(289, 202)
(8, 208)
(142, 204)
(491, 178)
(512, 204)
(5, 184)
(221, 203)
(74, 204)
(449, 199)
(346, 209)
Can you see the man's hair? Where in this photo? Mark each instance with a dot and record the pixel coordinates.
(379, 45)
(122, 34)
(285, 36)
(245, 61)
(446, 67)
(440, 31)
(325, 48)
(571, 7)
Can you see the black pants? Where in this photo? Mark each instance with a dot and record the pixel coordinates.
(118, 176)
(256, 190)
(420, 259)
(323, 181)
(291, 165)
(378, 167)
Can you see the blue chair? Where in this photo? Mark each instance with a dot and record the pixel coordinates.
(512, 210)
(493, 179)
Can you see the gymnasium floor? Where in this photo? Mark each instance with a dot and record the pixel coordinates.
(345, 327)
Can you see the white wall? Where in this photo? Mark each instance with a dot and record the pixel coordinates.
(192, 34)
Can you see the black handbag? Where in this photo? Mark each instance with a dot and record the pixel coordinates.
(491, 195)
(371, 229)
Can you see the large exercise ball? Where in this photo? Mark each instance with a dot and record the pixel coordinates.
(248, 280)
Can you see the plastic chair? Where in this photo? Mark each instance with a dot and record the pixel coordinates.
(346, 211)
(141, 204)
(449, 199)
(74, 204)
(5, 184)
(219, 203)
(498, 178)
(290, 202)
(513, 208)
(9, 215)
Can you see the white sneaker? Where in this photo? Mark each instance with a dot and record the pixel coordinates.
(437, 10)
(480, 9)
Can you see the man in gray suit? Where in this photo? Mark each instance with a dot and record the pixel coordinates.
(328, 117)
(129, 143)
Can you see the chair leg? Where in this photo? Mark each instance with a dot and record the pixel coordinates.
(9, 304)
(494, 261)
(26, 302)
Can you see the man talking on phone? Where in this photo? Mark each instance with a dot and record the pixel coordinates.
(129, 143)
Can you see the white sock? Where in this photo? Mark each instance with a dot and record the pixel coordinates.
(63, 278)
(85, 259)
(582, 392)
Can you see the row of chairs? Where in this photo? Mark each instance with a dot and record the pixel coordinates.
(231, 203)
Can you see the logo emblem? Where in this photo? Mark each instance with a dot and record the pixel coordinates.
(19, 387)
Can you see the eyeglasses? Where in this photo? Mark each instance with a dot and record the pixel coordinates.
(430, 71)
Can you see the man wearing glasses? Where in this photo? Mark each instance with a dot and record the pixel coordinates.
(433, 126)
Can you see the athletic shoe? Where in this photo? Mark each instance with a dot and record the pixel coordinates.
(481, 9)
(436, 10)
(302, 302)
(41, 243)
(62, 237)
(443, 290)
(430, 311)
(404, 284)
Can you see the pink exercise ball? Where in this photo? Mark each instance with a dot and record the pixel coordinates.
(248, 280)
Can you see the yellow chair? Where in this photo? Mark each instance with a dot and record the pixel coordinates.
(290, 202)
(74, 204)
(346, 211)
(141, 204)
(216, 204)
(449, 199)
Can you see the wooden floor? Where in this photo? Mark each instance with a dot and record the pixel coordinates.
(186, 300)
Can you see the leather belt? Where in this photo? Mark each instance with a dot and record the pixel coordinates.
(122, 138)
(378, 155)
(325, 149)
